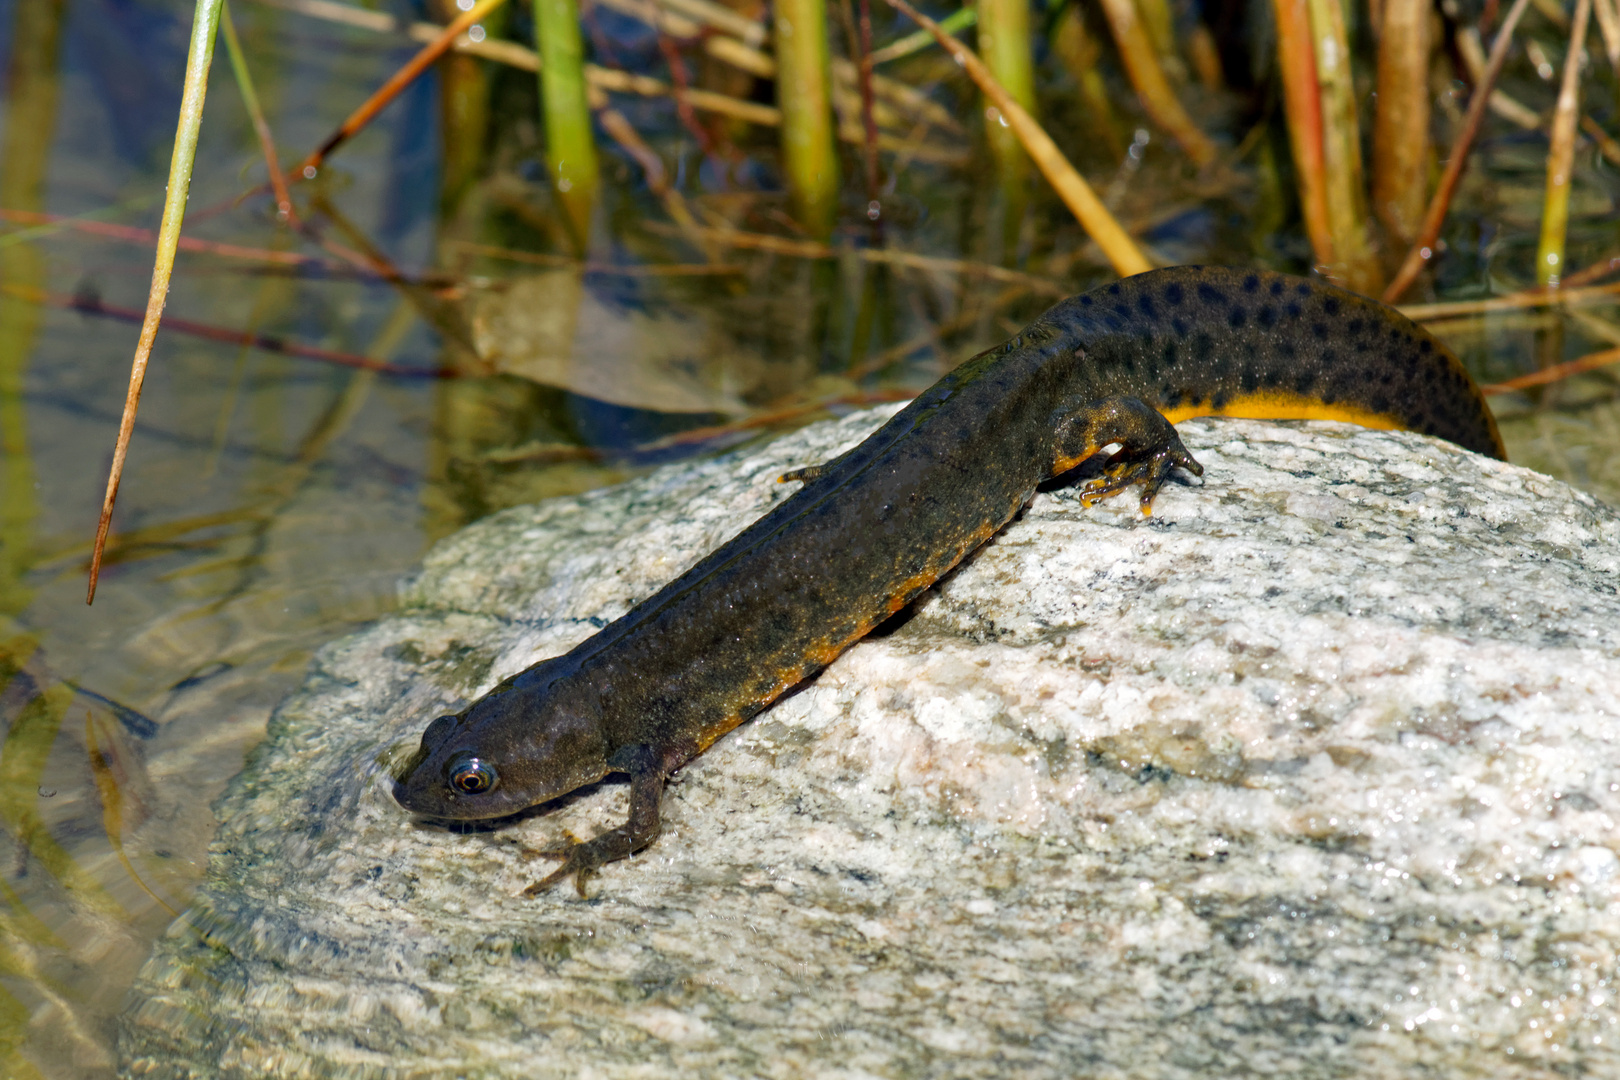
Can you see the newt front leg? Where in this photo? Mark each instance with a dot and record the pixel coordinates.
(582, 858)
(1148, 448)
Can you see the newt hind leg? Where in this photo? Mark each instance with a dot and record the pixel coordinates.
(1148, 448)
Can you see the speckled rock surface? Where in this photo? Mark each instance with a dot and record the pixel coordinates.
(1316, 773)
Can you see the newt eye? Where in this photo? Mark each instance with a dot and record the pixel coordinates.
(471, 774)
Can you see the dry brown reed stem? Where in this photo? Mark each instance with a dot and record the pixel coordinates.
(1422, 249)
(400, 80)
(1561, 156)
(1354, 262)
(1071, 187)
(1158, 98)
(1529, 298)
(1600, 269)
(1302, 105)
(1557, 372)
(1606, 145)
(1401, 123)
(812, 249)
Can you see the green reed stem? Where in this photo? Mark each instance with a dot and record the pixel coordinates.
(1004, 43)
(1561, 156)
(566, 113)
(804, 95)
(199, 58)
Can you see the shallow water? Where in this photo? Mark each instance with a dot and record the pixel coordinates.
(273, 503)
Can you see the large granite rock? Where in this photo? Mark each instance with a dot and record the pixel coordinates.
(1314, 773)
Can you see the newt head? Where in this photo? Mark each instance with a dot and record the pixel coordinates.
(510, 750)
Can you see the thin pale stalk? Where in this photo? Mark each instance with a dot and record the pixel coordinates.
(1302, 105)
(1401, 124)
(1608, 17)
(261, 126)
(200, 56)
(804, 94)
(1147, 76)
(1071, 187)
(1561, 156)
(1423, 247)
(958, 20)
(1341, 150)
(565, 110)
(391, 89)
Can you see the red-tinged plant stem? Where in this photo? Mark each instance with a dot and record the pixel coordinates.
(1423, 247)
(1302, 105)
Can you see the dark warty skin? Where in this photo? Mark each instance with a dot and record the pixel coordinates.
(876, 526)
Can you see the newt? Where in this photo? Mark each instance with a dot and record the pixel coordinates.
(871, 529)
